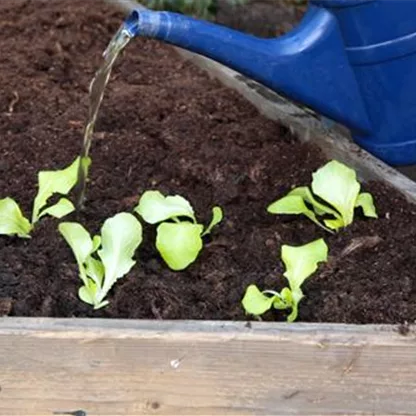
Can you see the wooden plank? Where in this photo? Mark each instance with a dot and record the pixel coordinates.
(112, 367)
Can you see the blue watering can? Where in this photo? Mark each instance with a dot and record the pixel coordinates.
(353, 61)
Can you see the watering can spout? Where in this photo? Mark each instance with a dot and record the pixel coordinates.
(309, 65)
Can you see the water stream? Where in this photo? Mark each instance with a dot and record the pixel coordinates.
(97, 87)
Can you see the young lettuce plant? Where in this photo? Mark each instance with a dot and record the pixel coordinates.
(336, 185)
(301, 262)
(105, 258)
(178, 241)
(13, 222)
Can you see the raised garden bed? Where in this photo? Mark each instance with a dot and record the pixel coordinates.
(167, 125)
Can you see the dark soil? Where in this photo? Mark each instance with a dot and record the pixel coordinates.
(166, 125)
(265, 18)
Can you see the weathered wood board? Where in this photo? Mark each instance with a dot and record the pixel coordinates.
(111, 367)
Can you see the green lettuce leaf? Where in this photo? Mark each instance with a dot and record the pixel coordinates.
(301, 262)
(12, 221)
(366, 203)
(121, 235)
(154, 207)
(217, 217)
(54, 182)
(293, 205)
(285, 299)
(337, 184)
(90, 270)
(78, 238)
(179, 243)
(88, 292)
(62, 208)
(319, 208)
(256, 302)
(95, 270)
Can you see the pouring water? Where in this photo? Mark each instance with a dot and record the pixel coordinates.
(96, 94)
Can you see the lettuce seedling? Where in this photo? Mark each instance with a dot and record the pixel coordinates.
(120, 236)
(178, 241)
(336, 185)
(301, 262)
(13, 222)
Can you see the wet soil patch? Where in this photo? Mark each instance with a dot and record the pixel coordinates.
(166, 125)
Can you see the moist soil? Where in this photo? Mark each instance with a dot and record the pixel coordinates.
(265, 18)
(166, 125)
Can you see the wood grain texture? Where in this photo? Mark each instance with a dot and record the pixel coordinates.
(111, 367)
